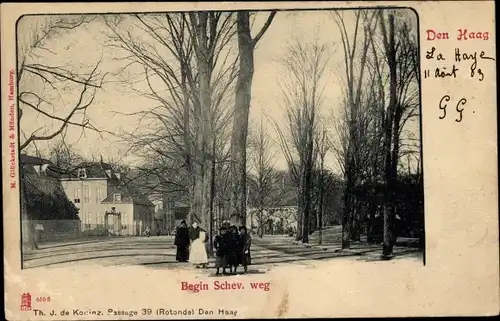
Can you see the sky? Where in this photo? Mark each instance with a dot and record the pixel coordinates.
(85, 46)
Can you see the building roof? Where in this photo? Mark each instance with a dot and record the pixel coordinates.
(33, 160)
(129, 195)
(93, 170)
(33, 165)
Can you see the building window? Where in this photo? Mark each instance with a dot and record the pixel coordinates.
(76, 193)
(86, 195)
(82, 173)
(117, 198)
(88, 221)
(98, 219)
(98, 195)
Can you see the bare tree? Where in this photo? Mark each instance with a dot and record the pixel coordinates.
(189, 69)
(400, 53)
(246, 46)
(355, 51)
(262, 162)
(42, 86)
(64, 157)
(371, 127)
(304, 66)
(322, 145)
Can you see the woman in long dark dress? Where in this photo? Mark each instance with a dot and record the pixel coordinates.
(246, 243)
(234, 249)
(221, 250)
(182, 242)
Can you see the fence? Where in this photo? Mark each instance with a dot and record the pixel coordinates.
(53, 230)
(114, 227)
(66, 230)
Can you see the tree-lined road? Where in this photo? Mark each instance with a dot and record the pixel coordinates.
(159, 252)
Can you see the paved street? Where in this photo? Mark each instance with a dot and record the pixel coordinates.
(159, 252)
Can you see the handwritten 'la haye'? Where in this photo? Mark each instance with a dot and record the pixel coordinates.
(459, 57)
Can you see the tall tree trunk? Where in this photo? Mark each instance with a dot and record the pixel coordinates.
(372, 206)
(207, 150)
(204, 132)
(28, 235)
(196, 191)
(307, 193)
(300, 211)
(305, 206)
(240, 124)
(347, 212)
(212, 200)
(357, 219)
(394, 164)
(246, 46)
(261, 222)
(346, 226)
(389, 186)
(321, 200)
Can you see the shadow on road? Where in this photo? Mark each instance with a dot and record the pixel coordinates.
(97, 258)
(249, 272)
(157, 252)
(41, 254)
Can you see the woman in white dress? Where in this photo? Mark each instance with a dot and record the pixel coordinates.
(198, 253)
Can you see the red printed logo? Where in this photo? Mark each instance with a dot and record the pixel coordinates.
(26, 302)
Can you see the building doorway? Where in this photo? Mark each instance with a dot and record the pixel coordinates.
(113, 222)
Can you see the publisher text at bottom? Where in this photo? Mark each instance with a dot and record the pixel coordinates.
(199, 311)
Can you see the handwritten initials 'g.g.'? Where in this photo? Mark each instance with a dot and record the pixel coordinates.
(443, 104)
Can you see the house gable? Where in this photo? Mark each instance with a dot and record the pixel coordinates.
(126, 195)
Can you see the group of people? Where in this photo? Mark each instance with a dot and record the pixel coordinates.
(232, 247)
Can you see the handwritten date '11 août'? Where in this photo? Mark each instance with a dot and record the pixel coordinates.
(443, 104)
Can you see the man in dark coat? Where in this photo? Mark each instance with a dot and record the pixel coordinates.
(182, 242)
(221, 250)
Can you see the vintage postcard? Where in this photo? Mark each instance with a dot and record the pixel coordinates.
(197, 160)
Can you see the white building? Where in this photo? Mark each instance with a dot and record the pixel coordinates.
(105, 203)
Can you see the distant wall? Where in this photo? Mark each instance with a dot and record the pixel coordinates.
(277, 220)
(53, 230)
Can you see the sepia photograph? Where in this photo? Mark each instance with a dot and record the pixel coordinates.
(249, 160)
(225, 141)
